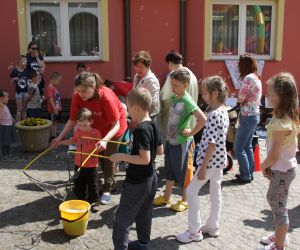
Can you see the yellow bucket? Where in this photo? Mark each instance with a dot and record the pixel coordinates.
(74, 215)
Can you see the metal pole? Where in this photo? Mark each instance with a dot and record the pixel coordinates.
(127, 42)
(183, 30)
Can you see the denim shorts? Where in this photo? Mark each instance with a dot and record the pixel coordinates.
(176, 161)
(21, 96)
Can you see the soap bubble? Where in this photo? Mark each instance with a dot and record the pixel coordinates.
(142, 7)
(166, 24)
(21, 11)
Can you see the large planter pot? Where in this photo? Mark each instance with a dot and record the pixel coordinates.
(34, 138)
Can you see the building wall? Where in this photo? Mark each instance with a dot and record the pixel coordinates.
(113, 69)
(9, 48)
(155, 28)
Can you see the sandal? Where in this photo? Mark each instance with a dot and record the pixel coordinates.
(160, 200)
(180, 206)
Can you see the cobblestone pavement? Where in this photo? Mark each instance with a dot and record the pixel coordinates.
(29, 217)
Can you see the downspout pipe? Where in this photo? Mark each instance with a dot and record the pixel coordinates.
(127, 41)
(183, 29)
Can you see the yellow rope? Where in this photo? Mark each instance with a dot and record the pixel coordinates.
(89, 156)
(37, 157)
(98, 139)
(99, 156)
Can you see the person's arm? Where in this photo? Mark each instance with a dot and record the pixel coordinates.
(41, 64)
(68, 127)
(31, 92)
(208, 155)
(66, 142)
(160, 150)
(154, 88)
(112, 132)
(12, 80)
(243, 91)
(201, 120)
(13, 77)
(274, 153)
(50, 99)
(143, 158)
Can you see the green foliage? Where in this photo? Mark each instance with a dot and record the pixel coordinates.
(33, 122)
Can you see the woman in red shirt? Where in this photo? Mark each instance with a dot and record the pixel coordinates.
(109, 118)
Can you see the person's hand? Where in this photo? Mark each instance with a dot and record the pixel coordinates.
(101, 145)
(266, 172)
(16, 78)
(55, 112)
(186, 132)
(201, 173)
(56, 141)
(116, 157)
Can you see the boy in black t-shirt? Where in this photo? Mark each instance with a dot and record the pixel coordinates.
(141, 179)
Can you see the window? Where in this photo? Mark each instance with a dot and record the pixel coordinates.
(239, 27)
(65, 29)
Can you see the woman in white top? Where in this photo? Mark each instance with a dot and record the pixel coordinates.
(146, 79)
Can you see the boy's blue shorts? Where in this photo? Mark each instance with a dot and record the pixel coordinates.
(176, 161)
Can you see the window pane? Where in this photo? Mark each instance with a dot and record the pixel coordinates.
(225, 29)
(258, 29)
(83, 25)
(45, 27)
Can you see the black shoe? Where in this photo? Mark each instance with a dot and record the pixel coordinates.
(136, 245)
(241, 181)
(95, 207)
(239, 176)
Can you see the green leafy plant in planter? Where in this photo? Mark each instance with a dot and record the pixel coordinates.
(33, 122)
(34, 134)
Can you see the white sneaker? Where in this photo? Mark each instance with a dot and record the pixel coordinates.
(212, 232)
(188, 236)
(105, 198)
(271, 238)
(271, 246)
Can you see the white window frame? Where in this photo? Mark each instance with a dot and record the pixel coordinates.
(65, 36)
(242, 28)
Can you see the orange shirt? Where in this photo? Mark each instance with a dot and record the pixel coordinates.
(86, 146)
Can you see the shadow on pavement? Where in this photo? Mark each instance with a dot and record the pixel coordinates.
(43, 209)
(267, 221)
(294, 218)
(29, 187)
(107, 218)
(167, 242)
(162, 211)
(229, 183)
(55, 236)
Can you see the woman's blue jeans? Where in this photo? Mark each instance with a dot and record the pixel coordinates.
(243, 145)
